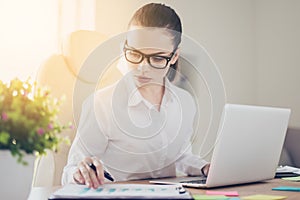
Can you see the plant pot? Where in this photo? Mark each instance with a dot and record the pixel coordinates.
(16, 178)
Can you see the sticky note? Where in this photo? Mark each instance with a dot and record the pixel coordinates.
(226, 193)
(210, 197)
(297, 178)
(287, 188)
(263, 197)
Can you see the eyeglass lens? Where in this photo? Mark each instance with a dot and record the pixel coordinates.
(137, 57)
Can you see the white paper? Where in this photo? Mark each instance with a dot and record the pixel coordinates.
(288, 169)
(121, 191)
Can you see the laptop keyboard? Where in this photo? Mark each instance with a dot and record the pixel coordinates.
(200, 181)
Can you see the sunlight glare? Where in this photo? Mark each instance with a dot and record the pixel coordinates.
(27, 36)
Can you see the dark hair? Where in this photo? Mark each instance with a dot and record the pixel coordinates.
(161, 16)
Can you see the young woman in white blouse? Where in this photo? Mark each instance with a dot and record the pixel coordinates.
(141, 126)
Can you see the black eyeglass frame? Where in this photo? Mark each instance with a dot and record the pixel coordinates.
(148, 56)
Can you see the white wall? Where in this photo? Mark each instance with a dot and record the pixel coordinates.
(255, 44)
(278, 55)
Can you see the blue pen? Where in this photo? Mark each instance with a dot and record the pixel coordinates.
(106, 174)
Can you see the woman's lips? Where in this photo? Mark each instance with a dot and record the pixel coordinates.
(142, 79)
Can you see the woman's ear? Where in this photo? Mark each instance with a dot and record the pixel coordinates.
(175, 57)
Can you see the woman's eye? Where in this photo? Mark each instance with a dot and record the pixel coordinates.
(134, 55)
(157, 59)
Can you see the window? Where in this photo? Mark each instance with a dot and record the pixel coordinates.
(32, 30)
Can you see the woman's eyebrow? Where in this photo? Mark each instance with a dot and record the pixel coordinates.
(159, 53)
(156, 53)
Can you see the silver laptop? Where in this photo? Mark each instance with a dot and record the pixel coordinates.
(247, 149)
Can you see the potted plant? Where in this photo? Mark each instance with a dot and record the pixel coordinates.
(28, 126)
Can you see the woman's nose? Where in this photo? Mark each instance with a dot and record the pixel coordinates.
(144, 65)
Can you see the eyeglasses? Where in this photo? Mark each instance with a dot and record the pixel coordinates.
(155, 60)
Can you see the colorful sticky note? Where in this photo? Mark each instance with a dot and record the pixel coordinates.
(210, 197)
(287, 188)
(296, 178)
(263, 197)
(226, 193)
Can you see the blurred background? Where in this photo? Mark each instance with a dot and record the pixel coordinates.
(255, 43)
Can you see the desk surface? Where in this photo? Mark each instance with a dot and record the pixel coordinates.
(42, 193)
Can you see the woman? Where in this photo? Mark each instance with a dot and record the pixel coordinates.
(141, 126)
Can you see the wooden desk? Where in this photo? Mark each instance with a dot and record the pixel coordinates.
(42, 193)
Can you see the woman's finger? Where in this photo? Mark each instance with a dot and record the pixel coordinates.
(99, 170)
(78, 178)
(83, 168)
(93, 176)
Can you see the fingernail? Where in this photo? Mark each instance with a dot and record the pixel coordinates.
(88, 184)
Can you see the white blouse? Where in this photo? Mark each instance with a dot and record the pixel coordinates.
(132, 138)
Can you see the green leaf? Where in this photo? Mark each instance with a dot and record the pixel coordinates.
(4, 138)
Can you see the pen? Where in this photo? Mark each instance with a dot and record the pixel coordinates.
(106, 174)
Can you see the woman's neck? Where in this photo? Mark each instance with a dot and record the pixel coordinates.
(153, 93)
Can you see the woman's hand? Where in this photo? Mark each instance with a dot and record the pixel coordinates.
(205, 169)
(86, 175)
